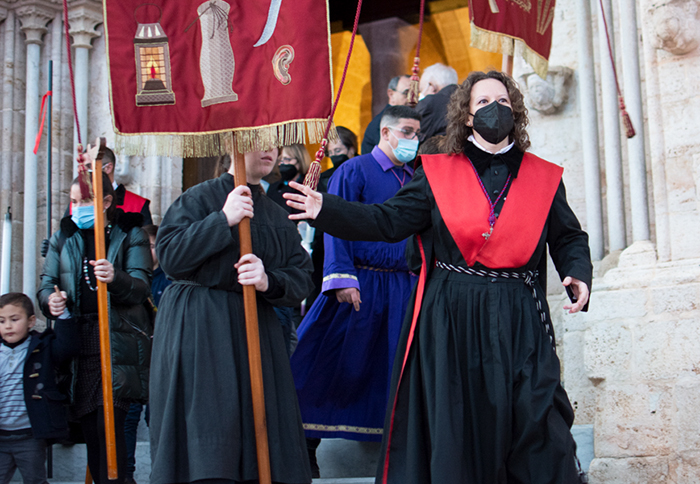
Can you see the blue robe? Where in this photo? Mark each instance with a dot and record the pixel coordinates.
(342, 365)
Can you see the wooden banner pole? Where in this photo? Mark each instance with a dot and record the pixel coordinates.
(103, 311)
(507, 65)
(253, 337)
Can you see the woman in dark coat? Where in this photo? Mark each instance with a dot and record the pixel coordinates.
(476, 389)
(201, 405)
(70, 266)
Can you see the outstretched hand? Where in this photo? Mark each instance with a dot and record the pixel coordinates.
(581, 293)
(309, 204)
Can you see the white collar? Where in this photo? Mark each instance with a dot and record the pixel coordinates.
(476, 143)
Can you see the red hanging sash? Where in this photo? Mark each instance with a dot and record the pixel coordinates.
(465, 210)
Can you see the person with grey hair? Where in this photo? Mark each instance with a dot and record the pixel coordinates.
(437, 84)
(397, 91)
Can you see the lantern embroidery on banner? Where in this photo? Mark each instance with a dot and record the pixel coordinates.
(216, 63)
(281, 62)
(152, 64)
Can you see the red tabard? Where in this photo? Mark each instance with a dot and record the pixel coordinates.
(132, 202)
(465, 210)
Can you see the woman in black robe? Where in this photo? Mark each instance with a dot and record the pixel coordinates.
(476, 389)
(201, 404)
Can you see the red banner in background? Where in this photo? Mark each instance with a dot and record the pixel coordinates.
(186, 74)
(528, 21)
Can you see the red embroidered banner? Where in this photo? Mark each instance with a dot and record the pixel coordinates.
(184, 75)
(496, 24)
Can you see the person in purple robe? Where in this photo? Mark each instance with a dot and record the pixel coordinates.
(347, 341)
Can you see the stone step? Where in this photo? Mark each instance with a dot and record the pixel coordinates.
(340, 461)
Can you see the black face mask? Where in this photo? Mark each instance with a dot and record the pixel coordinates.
(494, 122)
(288, 172)
(338, 160)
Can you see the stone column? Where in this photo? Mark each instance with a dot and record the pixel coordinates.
(389, 42)
(83, 19)
(633, 99)
(589, 130)
(34, 20)
(611, 129)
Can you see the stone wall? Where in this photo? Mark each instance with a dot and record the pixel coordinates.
(631, 365)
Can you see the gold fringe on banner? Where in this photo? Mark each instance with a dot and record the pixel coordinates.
(193, 145)
(505, 44)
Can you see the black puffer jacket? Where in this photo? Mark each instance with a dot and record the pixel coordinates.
(130, 326)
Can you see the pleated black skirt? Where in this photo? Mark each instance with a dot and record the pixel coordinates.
(480, 399)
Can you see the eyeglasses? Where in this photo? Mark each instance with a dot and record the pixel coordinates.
(288, 160)
(402, 93)
(407, 132)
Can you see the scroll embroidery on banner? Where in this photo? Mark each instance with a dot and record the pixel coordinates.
(186, 75)
(498, 24)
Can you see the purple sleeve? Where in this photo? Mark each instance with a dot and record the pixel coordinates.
(338, 265)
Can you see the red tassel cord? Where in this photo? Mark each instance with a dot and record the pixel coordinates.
(84, 178)
(314, 173)
(629, 128)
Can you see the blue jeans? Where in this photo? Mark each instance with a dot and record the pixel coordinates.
(25, 453)
(131, 425)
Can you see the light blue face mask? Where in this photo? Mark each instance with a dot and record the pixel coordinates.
(84, 217)
(406, 149)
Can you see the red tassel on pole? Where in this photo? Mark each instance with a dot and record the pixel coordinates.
(414, 87)
(84, 180)
(629, 129)
(314, 174)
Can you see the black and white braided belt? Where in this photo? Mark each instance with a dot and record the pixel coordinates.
(528, 277)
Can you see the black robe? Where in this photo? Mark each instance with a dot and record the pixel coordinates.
(201, 405)
(480, 400)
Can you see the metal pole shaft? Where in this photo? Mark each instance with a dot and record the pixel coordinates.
(48, 155)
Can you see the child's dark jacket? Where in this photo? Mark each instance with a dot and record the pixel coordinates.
(45, 404)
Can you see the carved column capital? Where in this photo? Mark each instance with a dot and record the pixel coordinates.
(83, 18)
(676, 27)
(3, 13)
(34, 19)
(547, 95)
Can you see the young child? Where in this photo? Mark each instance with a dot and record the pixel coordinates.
(32, 409)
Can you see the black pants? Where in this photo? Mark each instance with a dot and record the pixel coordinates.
(93, 426)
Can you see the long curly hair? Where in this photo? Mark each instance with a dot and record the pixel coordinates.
(458, 112)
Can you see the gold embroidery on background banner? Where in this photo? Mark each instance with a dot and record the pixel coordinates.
(344, 428)
(524, 4)
(545, 15)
